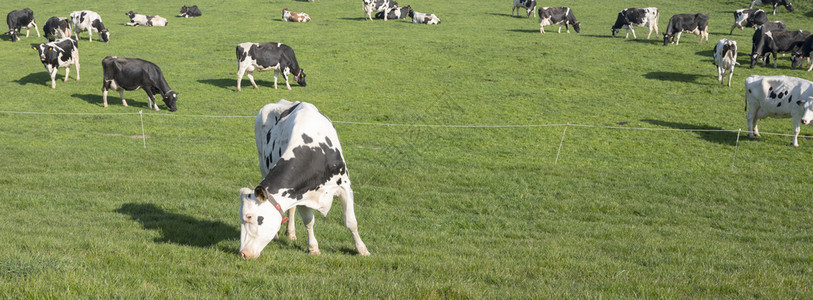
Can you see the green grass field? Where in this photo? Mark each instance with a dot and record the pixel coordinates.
(470, 209)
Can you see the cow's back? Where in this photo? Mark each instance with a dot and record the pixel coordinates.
(763, 91)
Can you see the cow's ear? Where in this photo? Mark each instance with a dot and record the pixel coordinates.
(260, 193)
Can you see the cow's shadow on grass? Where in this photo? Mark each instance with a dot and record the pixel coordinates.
(674, 76)
(225, 83)
(36, 78)
(95, 99)
(525, 30)
(177, 228)
(709, 133)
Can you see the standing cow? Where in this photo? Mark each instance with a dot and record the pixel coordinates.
(19, 19)
(268, 56)
(528, 5)
(778, 97)
(130, 74)
(57, 28)
(302, 166)
(776, 41)
(90, 21)
(59, 54)
(370, 6)
(557, 15)
(801, 53)
(693, 23)
(748, 18)
(774, 3)
(636, 17)
(725, 57)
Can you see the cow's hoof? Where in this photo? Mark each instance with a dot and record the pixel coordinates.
(315, 252)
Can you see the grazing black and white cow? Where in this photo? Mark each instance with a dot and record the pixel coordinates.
(57, 28)
(303, 167)
(190, 11)
(775, 3)
(776, 41)
(693, 23)
(725, 57)
(268, 56)
(800, 54)
(398, 13)
(422, 18)
(130, 74)
(637, 17)
(59, 54)
(18, 19)
(778, 97)
(557, 15)
(137, 19)
(90, 21)
(528, 5)
(748, 18)
(379, 5)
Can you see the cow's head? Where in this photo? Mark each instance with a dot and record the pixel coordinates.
(184, 9)
(797, 59)
(300, 77)
(807, 106)
(47, 52)
(105, 35)
(577, 26)
(666, 38)
(789, 6)
(755, 59)
(261, 216)
(170, 99)
(615, 31)
(14, 33)
(130, 14)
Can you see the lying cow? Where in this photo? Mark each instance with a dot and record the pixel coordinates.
(775, 3)
(528, 5)
(19, 19)
(90, 21)
(57, 28)
(268, 56)
(557, 15)
(397, 13)
(776, 41)
(697, 24)
(422, 18)
(143, 20)
(725, 57)
(293, 16)
(378, 5)
(59, 54)
(778, 97)
(302, 166)
(190, 11)
(636, 17)
(800, 54)
(130, 74)
(748, 18)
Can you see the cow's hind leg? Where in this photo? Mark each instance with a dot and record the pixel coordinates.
(730, 75)
(250, 75)
(308, 220)
(276, 75)
(67, 73)
(121, 94)
(633, 33)
(350, 220)
(796, 129)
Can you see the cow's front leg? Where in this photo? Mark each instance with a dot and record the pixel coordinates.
(90, 35)
(796, 129)
(250, 75)
(308, 220)
(730, 75)
(67, 73)
(104, 96)
(677, 38)
(291, 228)
(541, 29)
(287, 85)
(240, 73)
(751, 116)
(560, 29)
(53, 77)
(151, 100)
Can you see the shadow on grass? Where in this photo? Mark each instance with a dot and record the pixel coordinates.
(95, 99)
(36, 78)
(223, 82)
(720, 137)
(179, 229)
(524, 30)
(673, 76)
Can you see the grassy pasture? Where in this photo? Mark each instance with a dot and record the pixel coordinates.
(447, 212)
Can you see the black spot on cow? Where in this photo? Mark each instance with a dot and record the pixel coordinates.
(773, 95)
(339, 182)
(799, 102)
(770, 88)
(306, 139)
(329, 143)
(288, 111)
(789, 98)
(260, 220)
(779, 104)
(82, 17)
(279, 154)
(268, 137)
(267, 162)
(780, 95)
(749, 90)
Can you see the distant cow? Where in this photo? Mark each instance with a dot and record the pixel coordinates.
(293, 16)
(800, 54)
(90, 21)
(627, 18)
(778, 97)
(748, 18)
(190, 11)
(775, 3)
(725, 57)
(302, 166)
(528, 5)
(422, 18)
(397, 13)
(693, 23)
(57, 28)
(268, 56)
(139, 19)
(378, 5)
(18, 19)
(130, 74)
(557, 15)
(776, 41)
(59, 54)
